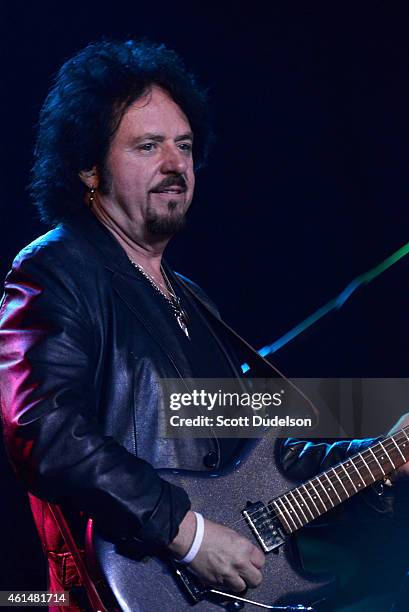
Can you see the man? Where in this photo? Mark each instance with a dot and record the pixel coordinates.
(93, 318)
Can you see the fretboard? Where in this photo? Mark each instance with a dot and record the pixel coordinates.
(307, 502)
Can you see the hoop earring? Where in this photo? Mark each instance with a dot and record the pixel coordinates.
(91, 194)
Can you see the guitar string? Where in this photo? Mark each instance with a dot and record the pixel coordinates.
(338, 477)
(359, 462)
(387, 444)
(312, 494)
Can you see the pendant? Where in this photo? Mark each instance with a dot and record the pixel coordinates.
(182, 323)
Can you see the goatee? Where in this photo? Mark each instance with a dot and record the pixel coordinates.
(166, 227)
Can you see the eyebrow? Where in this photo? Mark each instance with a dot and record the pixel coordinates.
(160, 138)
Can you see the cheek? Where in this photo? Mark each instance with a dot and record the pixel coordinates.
(191, 179)
(132, 178)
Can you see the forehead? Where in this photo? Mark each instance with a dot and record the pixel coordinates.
(154, 112)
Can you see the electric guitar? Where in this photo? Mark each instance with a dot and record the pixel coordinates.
(254, 498)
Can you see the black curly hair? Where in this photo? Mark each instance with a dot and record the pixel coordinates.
(83, 110)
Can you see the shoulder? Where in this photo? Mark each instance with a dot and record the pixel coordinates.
(62, 260)
(54, 269)
(58, 246)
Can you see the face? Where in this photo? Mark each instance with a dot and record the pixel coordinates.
(149, 179)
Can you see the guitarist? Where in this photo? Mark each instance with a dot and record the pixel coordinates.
(92, 319)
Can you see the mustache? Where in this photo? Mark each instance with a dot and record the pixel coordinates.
(176, 180)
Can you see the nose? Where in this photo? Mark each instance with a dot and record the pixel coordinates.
(174, 160)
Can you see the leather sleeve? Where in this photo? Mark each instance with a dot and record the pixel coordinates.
(52, 433)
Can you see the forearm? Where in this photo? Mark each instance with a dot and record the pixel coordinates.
(50, 414)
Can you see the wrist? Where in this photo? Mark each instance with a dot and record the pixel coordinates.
(197, 541)
(185, 536)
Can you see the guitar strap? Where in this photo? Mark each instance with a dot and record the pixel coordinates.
(251, 352)
(87, 582)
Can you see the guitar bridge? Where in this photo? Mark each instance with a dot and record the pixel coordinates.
(264, 526)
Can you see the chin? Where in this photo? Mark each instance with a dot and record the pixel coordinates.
(165, 227)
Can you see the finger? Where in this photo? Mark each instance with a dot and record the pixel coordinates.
(257, 558)
(252, 576)
(236, 583)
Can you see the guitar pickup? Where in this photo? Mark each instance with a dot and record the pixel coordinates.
(264, 526)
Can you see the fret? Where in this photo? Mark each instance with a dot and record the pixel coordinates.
(318, 496)
(302, 511)
(387, 454)
(287, 526)
(315, 505)
(342, 484)
(352, 482)
(357, 471)
(402, 455)
(376, 459)
(324, 489)
(288, 513)
(292, 512)
(332, 487)
(404, 445)
(367, 467)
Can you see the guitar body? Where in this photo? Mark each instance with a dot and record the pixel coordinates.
(145, 583)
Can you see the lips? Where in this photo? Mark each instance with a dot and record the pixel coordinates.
(174, 190)
(171, 186)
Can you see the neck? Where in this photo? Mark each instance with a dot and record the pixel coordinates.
(334, 486)
(146, 254)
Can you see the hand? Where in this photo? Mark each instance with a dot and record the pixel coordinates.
(225, 558)
(403, 471)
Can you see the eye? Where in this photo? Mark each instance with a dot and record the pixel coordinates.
(186, 147)
(147, 146)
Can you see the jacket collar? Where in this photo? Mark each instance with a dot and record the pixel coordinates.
(129, 285)
(94, 232)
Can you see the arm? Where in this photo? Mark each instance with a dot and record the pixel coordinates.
(58, 449)
(52, 434)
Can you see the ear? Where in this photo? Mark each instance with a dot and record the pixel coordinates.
(90, 177)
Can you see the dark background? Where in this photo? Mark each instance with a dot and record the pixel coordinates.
(306, 186)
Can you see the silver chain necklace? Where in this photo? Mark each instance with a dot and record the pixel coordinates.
(172, 299)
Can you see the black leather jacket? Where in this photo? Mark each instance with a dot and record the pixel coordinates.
(81, 354)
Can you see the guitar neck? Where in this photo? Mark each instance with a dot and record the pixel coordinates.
(315, 497)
